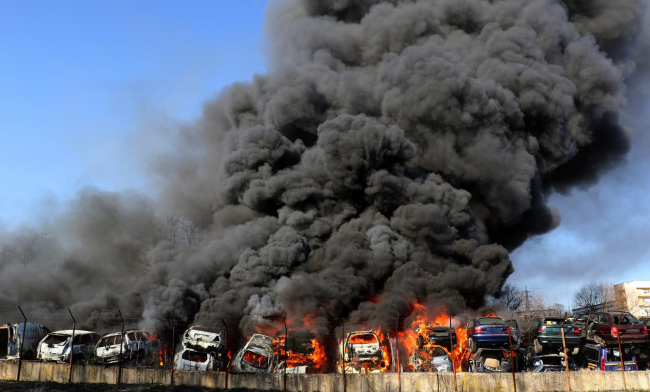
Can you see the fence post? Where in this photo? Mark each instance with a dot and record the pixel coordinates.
(620, 350)
(171, 378)
(451, 350)
(22, 342)
(512, 359)
(566, 358)
(227, 365)
(286, 358)
(399, 370)
(119, 363)
(74, 326)
(343, 355)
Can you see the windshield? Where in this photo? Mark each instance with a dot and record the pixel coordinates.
(207, 329)
(363, 339)
(491, 321)
(195, 356)
(438, 352)
(56, 339)
(626, 319)
(614, 355)
(256, 359)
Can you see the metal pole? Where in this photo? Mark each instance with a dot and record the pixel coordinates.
(451, 350)
(22, 342)
(74, 326)
(286, 337)
(399, 370)
(566, 358)
(225, 369)
(171, 381)
(512, 360)
(119, 363)
(344, 351)
(620, 351)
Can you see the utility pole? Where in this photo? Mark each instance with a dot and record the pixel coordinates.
(527, 302)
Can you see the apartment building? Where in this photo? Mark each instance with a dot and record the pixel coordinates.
(634, 297)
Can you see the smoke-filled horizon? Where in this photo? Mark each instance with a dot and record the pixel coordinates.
(396, 151)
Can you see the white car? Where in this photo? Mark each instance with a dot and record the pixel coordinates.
(362, 352)
(136, 346)
(207, 339)
(188, 359)
(56, 346)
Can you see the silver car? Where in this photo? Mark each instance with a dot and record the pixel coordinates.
(136, 346)
(207, 339)
(256, 356)
(56, 346)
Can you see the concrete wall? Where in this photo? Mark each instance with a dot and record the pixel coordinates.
(387, 382)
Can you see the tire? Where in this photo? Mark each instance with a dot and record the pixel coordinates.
(473, 347)
(538, 347)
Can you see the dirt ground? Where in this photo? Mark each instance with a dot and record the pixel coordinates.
(13, 386)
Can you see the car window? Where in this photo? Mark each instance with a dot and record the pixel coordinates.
(56, 339)
(141, 336)
(613, 354)
(131, 336)
(590, 353)
(195, 356)
(553, 321)
(581, 319)
(470, 325)
(603, 319)
(95, 338)
(626, 319)
(491, 321)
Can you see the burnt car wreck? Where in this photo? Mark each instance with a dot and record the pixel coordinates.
(364, 352)
(256, 356)
(208, 340)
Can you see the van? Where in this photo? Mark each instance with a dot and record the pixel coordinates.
(10, 339)
(608, 359)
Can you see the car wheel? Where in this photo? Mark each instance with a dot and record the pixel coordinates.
(538, 346)
(473, 347)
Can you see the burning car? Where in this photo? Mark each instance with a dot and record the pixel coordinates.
(56, 346)
(489, 360)
(363, 352)
(430, 359)
(256, 356)
(436, 336)
(188, 359)
(208, 339)
(11, 339)
(299, 353)
(136, 346)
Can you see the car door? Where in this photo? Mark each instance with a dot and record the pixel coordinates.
(470, 328)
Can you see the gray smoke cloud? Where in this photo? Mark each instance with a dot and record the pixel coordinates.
(396, 151)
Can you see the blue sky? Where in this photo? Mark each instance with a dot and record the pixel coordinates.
(82, 81)
(79, 78)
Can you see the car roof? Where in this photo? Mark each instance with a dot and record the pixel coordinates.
(69, 332)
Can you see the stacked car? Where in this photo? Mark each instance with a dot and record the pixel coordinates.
(203, 349)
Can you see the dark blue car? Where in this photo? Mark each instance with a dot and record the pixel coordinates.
(608, 359)
(491, 332)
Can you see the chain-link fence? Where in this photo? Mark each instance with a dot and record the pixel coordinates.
(113, 338)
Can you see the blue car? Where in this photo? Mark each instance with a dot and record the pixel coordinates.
(491, 332)
(608, 359)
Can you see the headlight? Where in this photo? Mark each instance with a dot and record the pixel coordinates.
(537, 362)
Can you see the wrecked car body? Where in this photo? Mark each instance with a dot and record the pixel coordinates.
(487, 360)
(136, 346)
(256, 356)
(11, 339)
(430, 359)
(297, 353)
(56, 346)
(363, 352)
(193, 360)
(436, 336)
(208, 339)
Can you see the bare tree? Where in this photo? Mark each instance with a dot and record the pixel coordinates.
(511, 297)
(594, 296)
(190, 232)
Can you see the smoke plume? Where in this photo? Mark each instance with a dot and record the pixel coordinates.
(397, 150)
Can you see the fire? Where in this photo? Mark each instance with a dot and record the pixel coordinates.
(313, 357)
(416, 343)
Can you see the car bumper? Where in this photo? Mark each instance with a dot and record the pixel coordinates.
(492, 339)
(570, 340)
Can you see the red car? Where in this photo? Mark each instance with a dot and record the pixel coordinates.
(603, 328)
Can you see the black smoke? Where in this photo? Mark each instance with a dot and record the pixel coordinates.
(396, 151)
